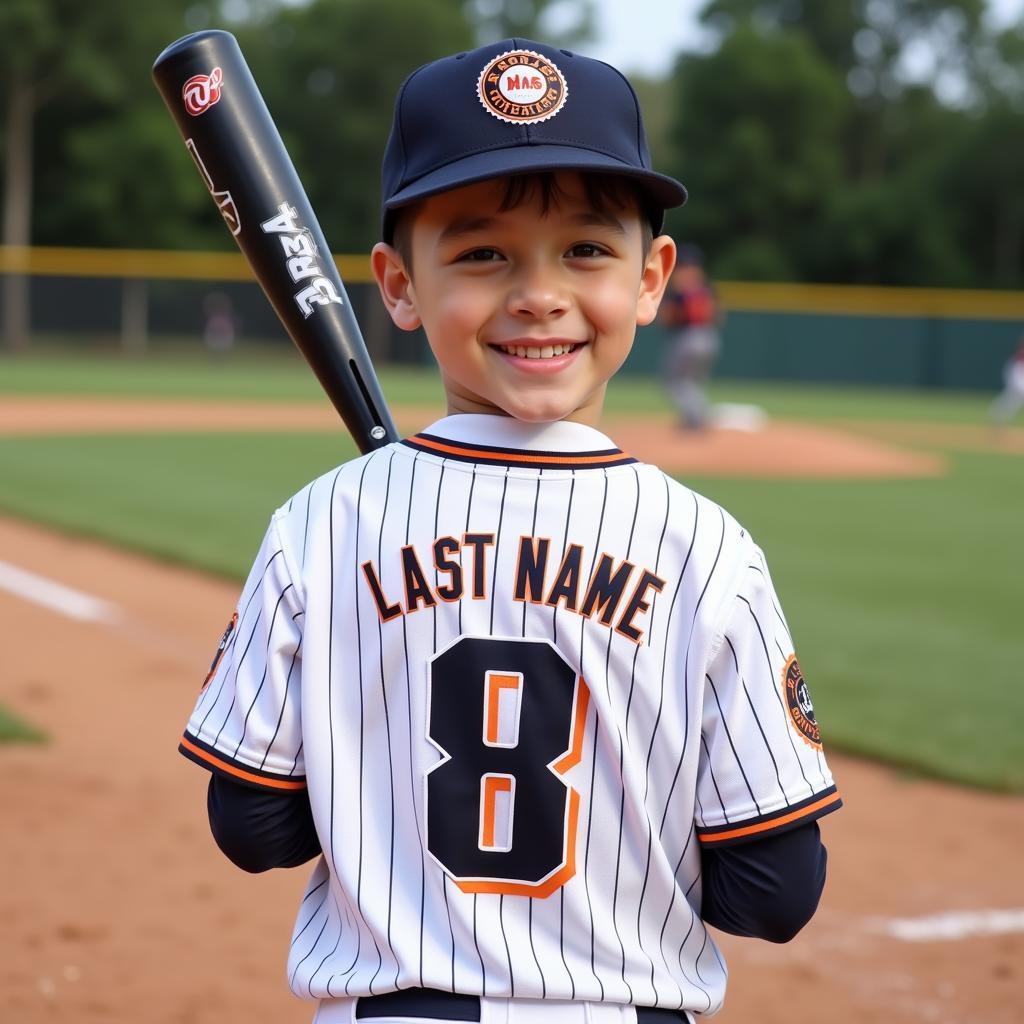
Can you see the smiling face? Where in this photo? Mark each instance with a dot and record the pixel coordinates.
(529, 308)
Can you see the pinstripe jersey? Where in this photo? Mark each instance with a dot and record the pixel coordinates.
(524, 677)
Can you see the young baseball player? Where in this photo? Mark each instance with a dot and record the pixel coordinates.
(532, 704)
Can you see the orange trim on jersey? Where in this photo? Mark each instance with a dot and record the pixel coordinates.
(538, 890)
(575, 752)
(541, 890)
(519, 456)
(766, 826)
(241, 773)
(493, 785)
(496, 682)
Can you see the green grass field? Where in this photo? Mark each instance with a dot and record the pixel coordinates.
(904, 596)
(282, 375)
(14, 730)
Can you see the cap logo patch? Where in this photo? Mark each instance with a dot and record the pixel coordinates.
(522, 87)
(798, 703)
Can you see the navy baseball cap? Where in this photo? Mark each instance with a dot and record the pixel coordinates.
(516, 107)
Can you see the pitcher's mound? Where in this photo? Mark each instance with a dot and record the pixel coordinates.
(774, 448)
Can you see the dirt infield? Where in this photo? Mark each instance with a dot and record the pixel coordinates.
(117, 907)
(968, 437)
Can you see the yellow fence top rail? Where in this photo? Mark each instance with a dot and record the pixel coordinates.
(149, 263)
(860, 300)
(737, 296)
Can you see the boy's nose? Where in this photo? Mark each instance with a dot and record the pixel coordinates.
(537, 294)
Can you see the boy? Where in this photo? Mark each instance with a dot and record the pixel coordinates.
(542, 696)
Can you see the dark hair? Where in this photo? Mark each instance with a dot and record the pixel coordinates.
(602, 191)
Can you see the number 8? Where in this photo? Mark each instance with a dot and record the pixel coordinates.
(508, 717)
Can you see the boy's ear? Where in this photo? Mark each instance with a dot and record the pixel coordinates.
(395, 284)
(660, 262)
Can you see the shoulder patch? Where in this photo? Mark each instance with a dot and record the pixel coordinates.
(798, 703)
(221, 648)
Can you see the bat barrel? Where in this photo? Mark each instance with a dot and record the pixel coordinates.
(218, 108)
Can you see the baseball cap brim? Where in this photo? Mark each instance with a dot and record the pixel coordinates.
(663, 191)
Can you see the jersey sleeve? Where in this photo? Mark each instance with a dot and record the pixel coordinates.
(246, 723)
(762, 769)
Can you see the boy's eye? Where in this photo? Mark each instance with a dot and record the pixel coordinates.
(482, 255)
(586, 250)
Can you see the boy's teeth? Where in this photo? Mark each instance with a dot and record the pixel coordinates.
(535, 351)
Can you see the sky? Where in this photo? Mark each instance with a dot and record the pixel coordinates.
(643, 36)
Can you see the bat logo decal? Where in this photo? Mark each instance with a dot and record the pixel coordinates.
(223, 199)
(301, 259)
(201, 92)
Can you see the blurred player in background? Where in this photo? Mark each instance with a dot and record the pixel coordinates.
(220, 327)
(690, 310)
(1011, 399)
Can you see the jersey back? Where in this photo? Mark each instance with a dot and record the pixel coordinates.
(523, 677)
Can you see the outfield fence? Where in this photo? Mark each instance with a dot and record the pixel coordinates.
(139, 299)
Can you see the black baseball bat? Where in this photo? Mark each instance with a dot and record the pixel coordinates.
(217, 106)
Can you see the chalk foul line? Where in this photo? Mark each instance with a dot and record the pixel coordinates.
(66, 601)
(950, 927)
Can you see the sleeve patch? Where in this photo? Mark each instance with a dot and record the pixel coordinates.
(798, 703)
(221, 648)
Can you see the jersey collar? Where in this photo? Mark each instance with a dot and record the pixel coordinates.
(504, 441)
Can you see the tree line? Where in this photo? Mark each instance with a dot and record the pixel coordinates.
(867, 141)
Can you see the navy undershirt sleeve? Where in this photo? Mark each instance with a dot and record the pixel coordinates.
(258, 830)
(767, 888)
